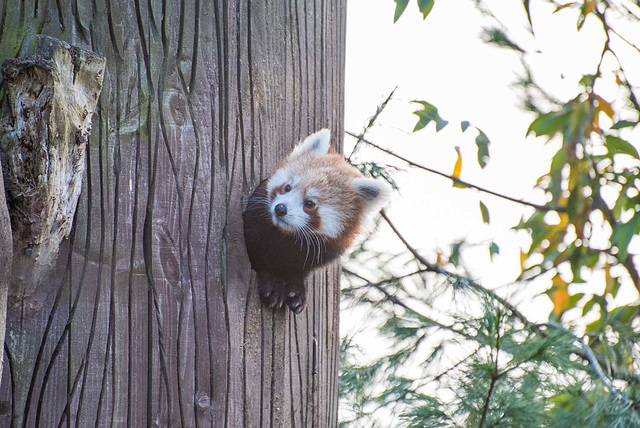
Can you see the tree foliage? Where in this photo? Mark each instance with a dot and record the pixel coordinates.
(481, 362)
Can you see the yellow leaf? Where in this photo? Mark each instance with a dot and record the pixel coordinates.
(564, 221)
(523, 258)
(559, 295)
(605, 106)
(589, 6)
(457, 168)
(542, 181)
(618, 79)
(559, 282)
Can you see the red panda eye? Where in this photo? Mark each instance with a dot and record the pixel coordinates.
(309, 204)
(287, 188)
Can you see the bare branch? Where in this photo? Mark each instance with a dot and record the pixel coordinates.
(372, 121)
(457, 180)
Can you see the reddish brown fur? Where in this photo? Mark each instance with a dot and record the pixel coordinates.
(326, 179)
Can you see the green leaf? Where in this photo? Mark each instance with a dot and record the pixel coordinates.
(493, 250)
(428, 114)
(401, 5)
(617, 145)
(549, 123)
(623, 124)
(622, 234)
(485, 213)
(464, 125)
(558, 161)
(425, 7)
(557, 164)
(454, 257)
(624, 314)
(589, 305)
(575, 202)
(497, 37)
(483, 148)
(587, 80)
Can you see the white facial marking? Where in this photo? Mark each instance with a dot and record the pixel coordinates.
(279, 178)
(312, 193)
(295, 219)
(331, 225)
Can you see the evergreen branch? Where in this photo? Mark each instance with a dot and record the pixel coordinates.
(456, 180)
(593, 361)
(395, 300)
(486, 403)
(431, 267)
(494, 377)
(456, 365)
(475, 286)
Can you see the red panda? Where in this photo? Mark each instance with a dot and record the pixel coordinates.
(304, 216)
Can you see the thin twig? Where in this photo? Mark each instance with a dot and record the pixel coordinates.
(431, 267)
(605, 25)
(457, 180)
(384, 281)
(455, 366)
(624, 39)
(372, 121)
(395, 300)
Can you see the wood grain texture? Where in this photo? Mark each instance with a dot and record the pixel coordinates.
(6, 259)
(152, 316)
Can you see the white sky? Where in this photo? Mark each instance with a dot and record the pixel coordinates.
(443, 61)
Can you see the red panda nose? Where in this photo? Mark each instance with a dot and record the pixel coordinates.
(280, 210)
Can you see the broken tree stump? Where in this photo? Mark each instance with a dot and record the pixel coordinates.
(49, 100)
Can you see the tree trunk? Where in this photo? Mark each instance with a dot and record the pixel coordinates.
(151, 316)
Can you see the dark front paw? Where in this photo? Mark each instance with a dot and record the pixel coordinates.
(297, 300)
(273, 292)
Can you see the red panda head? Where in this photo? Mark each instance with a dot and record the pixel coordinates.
(315, 192)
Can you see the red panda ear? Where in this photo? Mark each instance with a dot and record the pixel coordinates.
(317, 144)
(374, 192)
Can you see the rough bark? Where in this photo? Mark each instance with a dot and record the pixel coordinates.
(51, 97)
(6, 255)
(151, 316)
